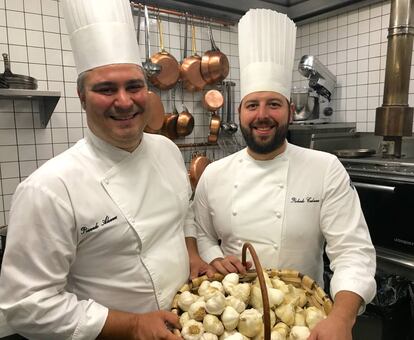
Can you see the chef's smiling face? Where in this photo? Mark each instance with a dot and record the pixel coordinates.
(114, 98)
(264, 121)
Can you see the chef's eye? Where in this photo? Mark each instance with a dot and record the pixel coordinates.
(251, 106)
(135, 86)
(274, 105)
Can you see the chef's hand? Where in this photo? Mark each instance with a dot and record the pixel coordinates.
(133, 326)
(338, 325)
(198, 267)
(156, 325)
(332, 328)
(230, 264)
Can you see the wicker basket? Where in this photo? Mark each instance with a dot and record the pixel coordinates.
(316, 296)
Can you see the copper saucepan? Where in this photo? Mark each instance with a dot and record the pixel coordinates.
(214, 128)
(170, 69)
(169, 127)
(197, 166)
(214, 63)
(185, 120)
(156, 111)
(190, 70)
(213, 100)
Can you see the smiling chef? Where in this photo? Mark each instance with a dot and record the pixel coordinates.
(95, 244)
(288, 201)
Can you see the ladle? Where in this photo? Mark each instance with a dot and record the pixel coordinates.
(150, 68)
(230, 114)
(225, 113)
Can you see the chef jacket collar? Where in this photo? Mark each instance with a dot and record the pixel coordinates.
(112, 152)
(281, 157)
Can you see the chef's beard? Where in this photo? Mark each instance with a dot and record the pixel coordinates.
(265, 147)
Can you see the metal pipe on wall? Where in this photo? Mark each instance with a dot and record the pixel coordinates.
(394, 119)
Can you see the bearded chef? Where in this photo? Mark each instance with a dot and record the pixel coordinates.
(95, 244)
(286, 200)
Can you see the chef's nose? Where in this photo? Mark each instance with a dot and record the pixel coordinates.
(262, 110)
(123, 99)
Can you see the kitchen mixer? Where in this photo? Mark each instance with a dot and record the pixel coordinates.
(313, 103)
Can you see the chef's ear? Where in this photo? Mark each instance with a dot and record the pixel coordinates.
(82, 99)
(292, 108)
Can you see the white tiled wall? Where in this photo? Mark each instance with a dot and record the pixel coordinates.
(353, 46)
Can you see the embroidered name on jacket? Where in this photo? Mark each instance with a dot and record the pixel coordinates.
(85, 229)
(304, 200)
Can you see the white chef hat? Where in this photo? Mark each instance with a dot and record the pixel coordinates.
(266, 51)
(101, 32)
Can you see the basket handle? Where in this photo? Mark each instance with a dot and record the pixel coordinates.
(263, 288)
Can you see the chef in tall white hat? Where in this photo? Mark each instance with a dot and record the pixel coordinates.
(287, 201)
(95, 244)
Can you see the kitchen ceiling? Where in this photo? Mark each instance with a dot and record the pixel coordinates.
(232, 10)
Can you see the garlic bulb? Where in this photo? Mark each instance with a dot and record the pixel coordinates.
(212, 324)
(250, 323)
(209, 336)
(296, 293)
(230, 318)
(230, 280)
(236, 303)
(275, 297)
(272, 316)
(266, 277)
(281, 328)
(279, 284)
(276, 336)
(207, 290)
(184, 318)
(226, 334)
(197, 310)
(299, 317)
(217, 285)
(186, 299)
(241, 291)
(313, 316)
(286, 313)
(216, 304)
(299, 333)
(236, 336)
(192, 330)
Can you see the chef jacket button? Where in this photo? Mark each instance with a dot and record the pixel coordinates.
(281, 186)
(106, 181)
(236, 185)
(275, 246)
(239, 242)
(278, 214)
(240, 160)
(234, 212)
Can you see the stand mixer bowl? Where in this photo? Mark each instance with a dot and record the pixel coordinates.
(304, 103)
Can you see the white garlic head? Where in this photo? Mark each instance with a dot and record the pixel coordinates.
(186, 299)
(313, 315)
(299, 333)
(236, 303)
(192, 330)
(197, 310)
(212, 324)
(209, 336)
(241, 291)
(250, 322)
(216, 304)
(230, 280)
(230, 318)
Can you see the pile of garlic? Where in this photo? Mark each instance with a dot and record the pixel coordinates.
(233, 310)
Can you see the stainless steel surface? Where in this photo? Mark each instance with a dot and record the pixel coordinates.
(47, 100)
(354, 153)
(150, 68)
(394, 118)
(304, 104)
(320, 78)
(395, 262)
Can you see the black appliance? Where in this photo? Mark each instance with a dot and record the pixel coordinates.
(386, 191)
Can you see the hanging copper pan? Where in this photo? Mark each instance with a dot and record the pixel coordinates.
(214, 63)
(169, 127)
(156, 111)
(185, 123)
(214, 128)
(197, 166)
(170, 69)
(213, 100)
(191, 67)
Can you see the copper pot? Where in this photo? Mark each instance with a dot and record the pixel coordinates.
(185, 123)
(155, 108)
(190, 70)
(214, 63)
(213, 100)
(197, 166)
(169, 127)
(170, 69)
(214, 128)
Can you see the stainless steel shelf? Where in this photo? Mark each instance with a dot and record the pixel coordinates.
(47, 101)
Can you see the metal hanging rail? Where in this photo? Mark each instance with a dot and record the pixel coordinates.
(196, 145)
(166, 13)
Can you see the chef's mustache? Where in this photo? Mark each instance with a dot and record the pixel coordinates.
(262, 122)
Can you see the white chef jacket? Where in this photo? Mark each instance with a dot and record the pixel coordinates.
(287, 207)
(95, 228)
